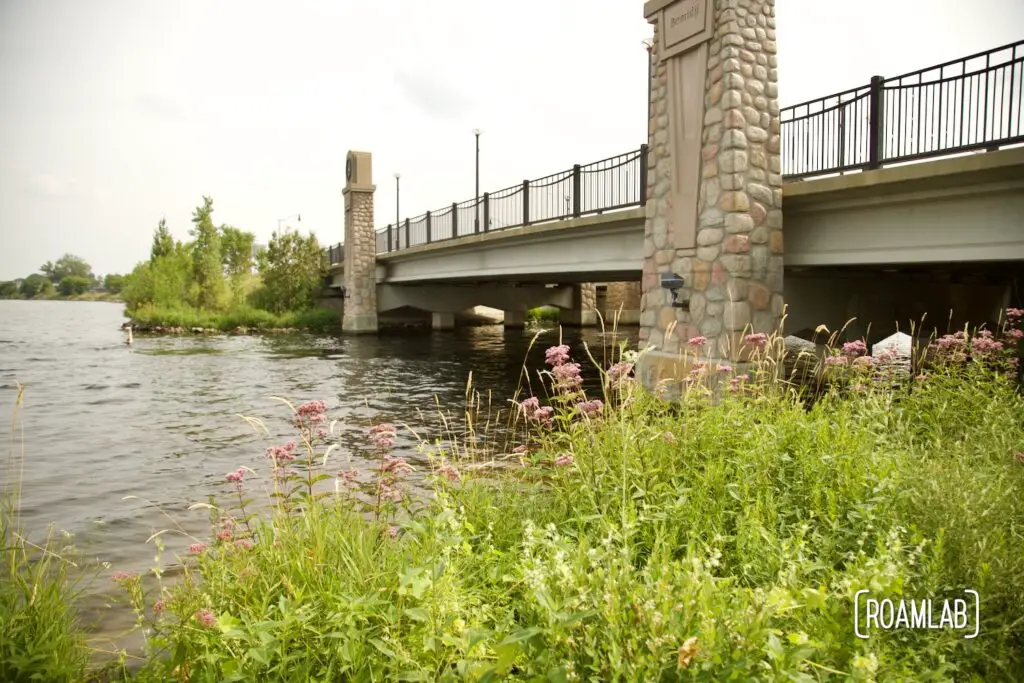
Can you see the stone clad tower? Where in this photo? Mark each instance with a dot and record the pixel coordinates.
(360, 246)
(714, 209)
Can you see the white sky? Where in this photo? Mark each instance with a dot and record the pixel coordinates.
(114, 113)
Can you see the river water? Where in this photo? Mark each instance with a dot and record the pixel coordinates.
(159, 421)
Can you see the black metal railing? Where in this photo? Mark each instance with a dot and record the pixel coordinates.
(615, 183)
(334, 255)
(967, 104)
(971, 103)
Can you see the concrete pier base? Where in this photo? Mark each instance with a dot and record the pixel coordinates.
(442, 321)
(515, 319)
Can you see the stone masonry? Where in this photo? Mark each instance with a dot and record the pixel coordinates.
(728, 247)
(622, 299)
(360, 310)
(584, 302)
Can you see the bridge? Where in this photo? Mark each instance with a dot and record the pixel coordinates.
(917, 173)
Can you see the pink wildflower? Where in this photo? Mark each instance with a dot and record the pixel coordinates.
(121, 577)
(450, 473)
(236, 477)
(1016, 334)
(567, 376)
(563, 460)
(520, 449)
(855, 348)
(1014, 315)
(698, 341)
(619, 371)
(386, 492)
(757, 340)
(530, 406)
(349, 477)
(159, 606)
(391, 532)
(383, 436)
(863, 361)
(197, 548)
(543, 415)
(836, 360)
(557, 355)
(725, 368)
(395, 465)
(244, 543)
(206, 618)
(984, 345)
(313, 412)
(590, 407)
(224, 535)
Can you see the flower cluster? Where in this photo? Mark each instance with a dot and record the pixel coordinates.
(758, 340)
(281, 454)
(619, 371)
(855, 349)
(698, 341)
(557, 355)
(382, 436)
(590, 407)
(534, 412)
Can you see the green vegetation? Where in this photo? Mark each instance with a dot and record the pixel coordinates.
(209, 282)
(720, 536)
(542, 314)
(70, 277)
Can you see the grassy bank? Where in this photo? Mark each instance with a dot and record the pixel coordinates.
(542, 314)
(188, 318)
(723, 536)
(87, 296)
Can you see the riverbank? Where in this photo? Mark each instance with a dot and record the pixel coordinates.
(638, 540)
(241, 320)
(87, 296)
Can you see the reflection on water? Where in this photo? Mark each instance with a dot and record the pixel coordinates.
(160, 420)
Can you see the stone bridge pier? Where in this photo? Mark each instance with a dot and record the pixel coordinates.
(714, 203)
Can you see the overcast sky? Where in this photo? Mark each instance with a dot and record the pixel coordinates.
(114, 113)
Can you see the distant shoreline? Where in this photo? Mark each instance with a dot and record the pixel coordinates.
(89, 296)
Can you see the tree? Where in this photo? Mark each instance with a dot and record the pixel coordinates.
(35, 285)
(164, 283)
(292, 268)
(8, 289)
(163, 243)
(113, 283)
(74, 284)
(66, 265)
(206, 258)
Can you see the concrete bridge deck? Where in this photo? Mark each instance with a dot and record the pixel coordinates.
(951, 210)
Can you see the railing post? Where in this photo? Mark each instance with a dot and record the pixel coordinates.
(455, 220)
(876, 123)
(389, 238)
(577, 203)
(526, 202)
(643, 175)
(487, 210)
(407, 242)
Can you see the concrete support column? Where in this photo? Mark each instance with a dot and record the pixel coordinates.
(515, 319)
(714, 202)
(583, 312)
(360, 311)
(622, 301)
(442, 321)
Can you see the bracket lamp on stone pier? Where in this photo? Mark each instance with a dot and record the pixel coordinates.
(674, 283)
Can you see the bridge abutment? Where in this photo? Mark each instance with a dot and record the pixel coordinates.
(360, 277)
(621, 303)
(514, 320)
(583, 312)
(714, 197)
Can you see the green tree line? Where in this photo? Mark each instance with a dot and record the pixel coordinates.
(213, 273)
(68, 276)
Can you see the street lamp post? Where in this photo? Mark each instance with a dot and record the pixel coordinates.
(398, 193)
(476, 222)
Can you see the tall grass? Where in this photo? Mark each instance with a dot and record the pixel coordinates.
(40, 636)
(719, 537)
